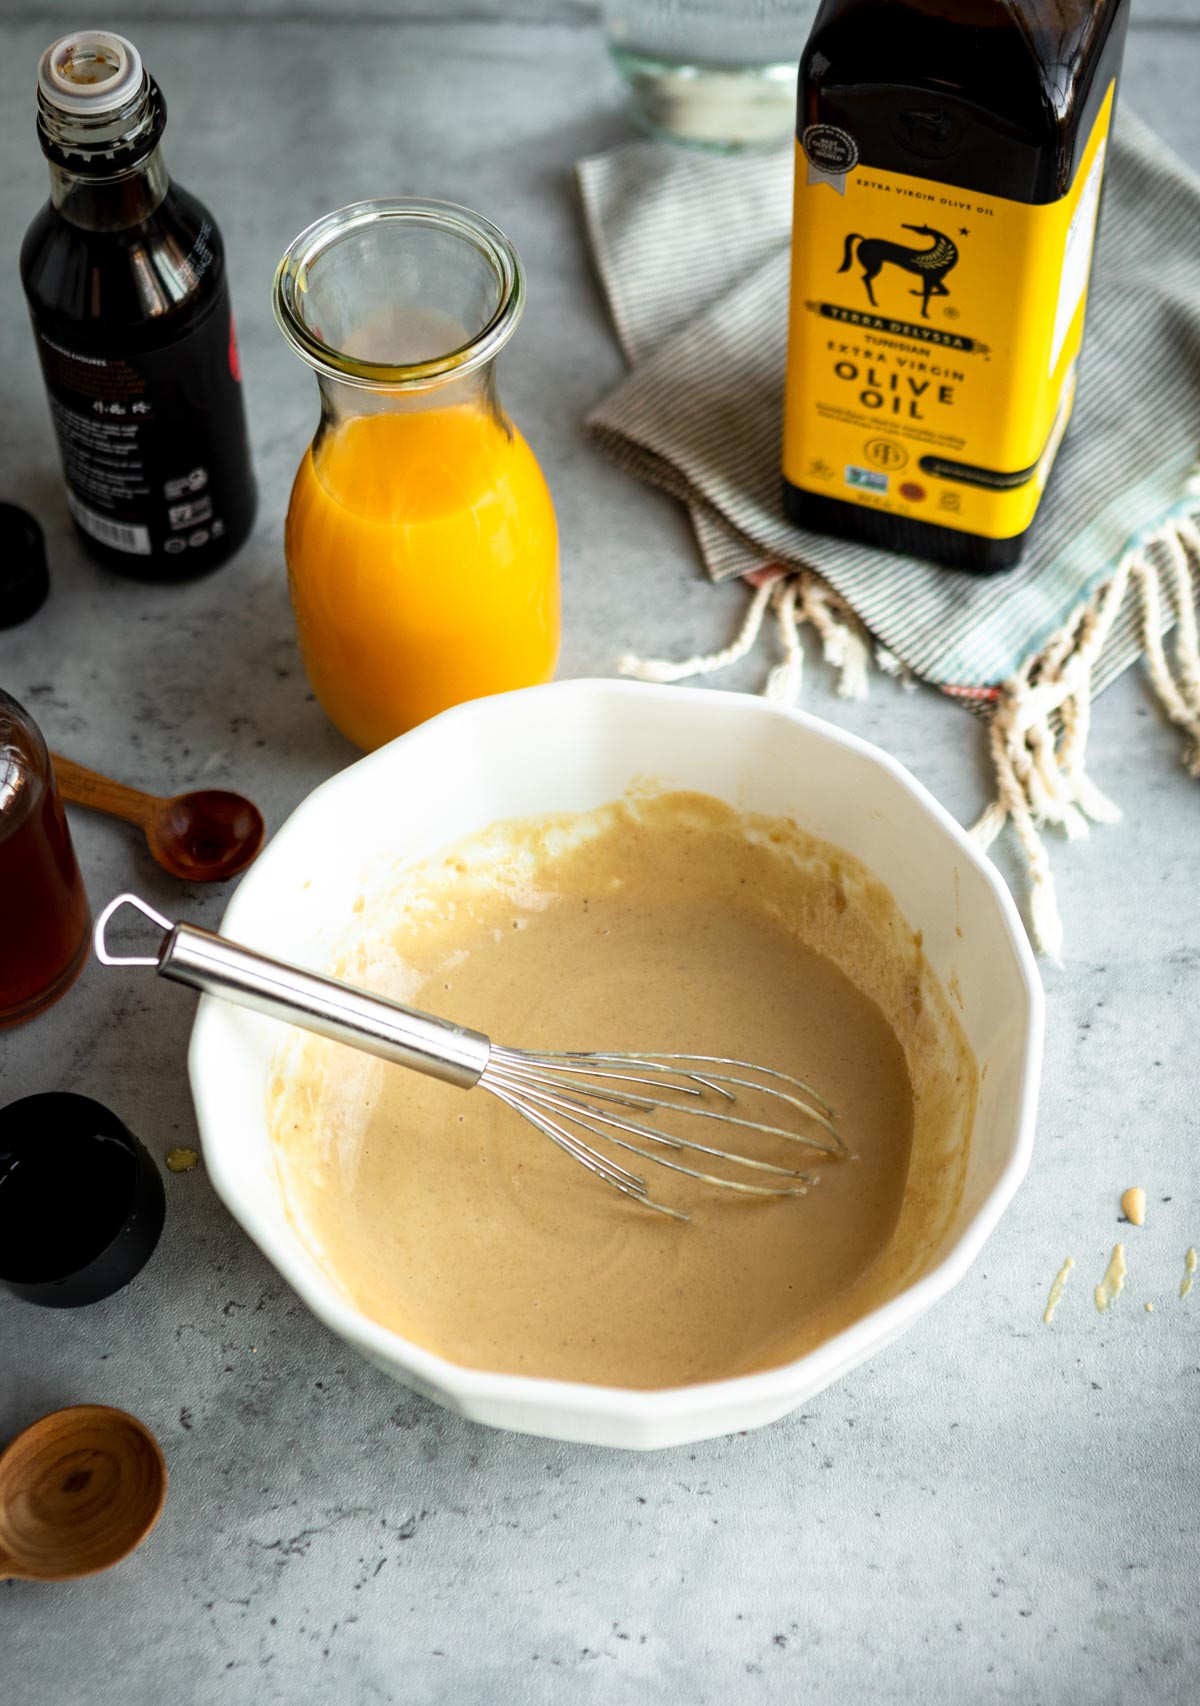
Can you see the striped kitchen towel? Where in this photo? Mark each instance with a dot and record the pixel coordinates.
(693, 254)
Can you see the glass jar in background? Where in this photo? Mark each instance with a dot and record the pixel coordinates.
(421, 542)
(710, 73)
(44, 920)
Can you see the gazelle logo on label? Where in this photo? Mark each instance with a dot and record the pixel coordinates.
(930, 265)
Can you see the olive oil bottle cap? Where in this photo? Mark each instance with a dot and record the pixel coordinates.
(24, 577)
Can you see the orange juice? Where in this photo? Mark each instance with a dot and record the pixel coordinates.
(422, 558)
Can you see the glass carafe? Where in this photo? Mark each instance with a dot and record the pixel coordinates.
(421, 543)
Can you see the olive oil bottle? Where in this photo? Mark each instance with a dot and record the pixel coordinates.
(949, 161)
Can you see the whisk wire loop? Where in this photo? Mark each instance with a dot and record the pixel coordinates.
(584, 1115)
(604, 1166)
(542, 1069)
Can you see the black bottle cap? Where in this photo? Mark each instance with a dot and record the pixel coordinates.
(24, 577)
(81, 1202)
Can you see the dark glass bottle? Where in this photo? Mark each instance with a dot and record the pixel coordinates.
(125, 277)
(45, 926)
(950, 155)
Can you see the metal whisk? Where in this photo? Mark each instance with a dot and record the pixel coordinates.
(576, 1099)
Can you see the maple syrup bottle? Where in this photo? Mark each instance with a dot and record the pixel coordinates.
(125, 277)
(949, 160)
(45, 924)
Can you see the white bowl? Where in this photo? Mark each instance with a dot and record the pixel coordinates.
(574, 746)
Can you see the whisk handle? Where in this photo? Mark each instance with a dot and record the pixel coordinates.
(374, 1023)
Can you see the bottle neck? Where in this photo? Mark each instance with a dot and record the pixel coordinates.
(110, 203)
(24, 763)
(477, 391)
(106, 166)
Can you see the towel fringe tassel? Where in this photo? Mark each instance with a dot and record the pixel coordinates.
(797, 599)
(1038, 734)
(1039, 730)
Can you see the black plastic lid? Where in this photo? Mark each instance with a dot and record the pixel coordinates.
(24, 577)
(81, 1202)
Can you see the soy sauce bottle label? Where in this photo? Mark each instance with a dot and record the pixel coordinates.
(934, 337)
(144, 469)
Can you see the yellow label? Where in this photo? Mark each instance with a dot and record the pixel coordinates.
(933, 339)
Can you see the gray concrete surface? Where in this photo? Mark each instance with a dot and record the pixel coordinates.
(990, 1511)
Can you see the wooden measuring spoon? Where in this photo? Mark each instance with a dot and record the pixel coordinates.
(79, 1490)
(202, 837)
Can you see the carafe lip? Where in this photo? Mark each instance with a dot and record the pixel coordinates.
(447, 216)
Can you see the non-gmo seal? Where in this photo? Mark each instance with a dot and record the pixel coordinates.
(830, 149)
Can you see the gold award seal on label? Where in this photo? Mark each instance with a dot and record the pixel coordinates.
(831, 153)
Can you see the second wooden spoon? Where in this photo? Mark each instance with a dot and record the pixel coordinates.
(78, 1491)
(202, 837)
